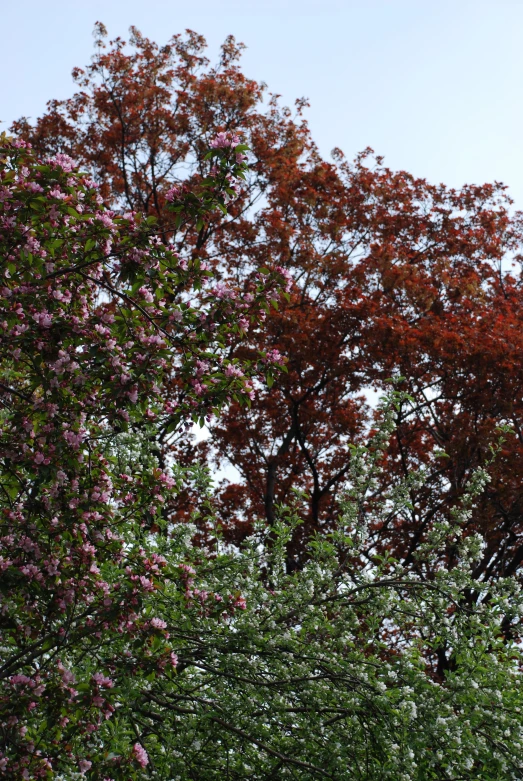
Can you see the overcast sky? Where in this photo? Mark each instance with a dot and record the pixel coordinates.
(433, 85)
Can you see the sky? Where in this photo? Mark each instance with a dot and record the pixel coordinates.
(434, 86)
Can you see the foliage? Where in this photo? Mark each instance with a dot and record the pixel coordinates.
(95, 319)
(137, 646)
(134, 653)
(391, 275)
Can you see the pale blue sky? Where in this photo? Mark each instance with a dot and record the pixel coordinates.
(434, 86)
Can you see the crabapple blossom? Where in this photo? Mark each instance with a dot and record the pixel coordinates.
(88, 346)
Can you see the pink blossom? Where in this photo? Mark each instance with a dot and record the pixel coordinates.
(233, 371)
(223, 140)
(73, 439)
(105, 219)
(223, 291)
(286, 275)
(146, 293)
(273, 356)
(169, 483)
(19, 679)
(140, 755)
(64, 161)
(147, 584)
(68, 676)
(32, 572)
(88, 369)
(199, 388)
(43, 318)
(52, 568)
(103, 680)
(172, 194)
(58, 194)
(35, 187)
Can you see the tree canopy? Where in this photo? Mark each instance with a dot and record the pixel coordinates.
(336, 615)
(392, 276)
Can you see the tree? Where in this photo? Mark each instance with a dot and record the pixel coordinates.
(129, 648)
(392, 276)
(96, 320)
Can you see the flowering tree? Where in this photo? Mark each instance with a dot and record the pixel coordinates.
(97, 314)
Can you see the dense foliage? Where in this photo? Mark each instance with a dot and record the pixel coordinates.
(96, 319)
(358, 629)
(392, 275)
(130, 648)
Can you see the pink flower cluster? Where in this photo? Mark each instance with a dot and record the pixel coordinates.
(273, 356)
(140, 755)
(103, 681)
(64, 161)
(224, 140)
(173, 194)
